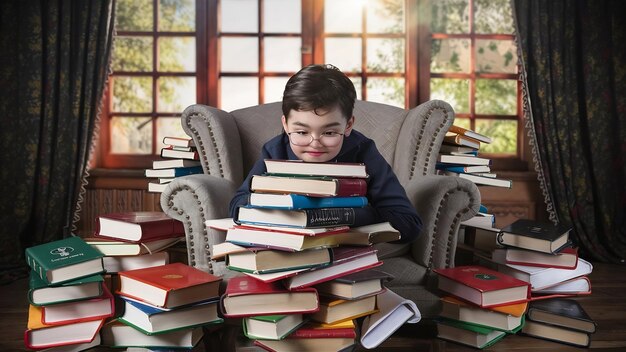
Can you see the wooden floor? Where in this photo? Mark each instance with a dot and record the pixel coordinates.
(606, 305)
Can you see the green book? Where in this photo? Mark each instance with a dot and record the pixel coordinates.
(271, 327)
(41, 294)
(64, 260)
(468, 334)
(488, 327)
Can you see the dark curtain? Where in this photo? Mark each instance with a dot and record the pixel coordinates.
(54, 59)
(573, 55)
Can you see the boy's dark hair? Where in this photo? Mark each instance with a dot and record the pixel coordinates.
(317, 87)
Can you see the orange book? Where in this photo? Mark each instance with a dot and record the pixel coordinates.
(39, 335)
(469, 133)
(333, 311)
(516, 309)
(169, 285)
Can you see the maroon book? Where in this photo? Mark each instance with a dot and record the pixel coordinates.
(310, 186)
(138, 226)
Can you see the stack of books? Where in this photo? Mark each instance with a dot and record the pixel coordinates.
(178, 158)
(480, 306)
(68, 300)
(134, 240)
(299, 256)
(165, 306)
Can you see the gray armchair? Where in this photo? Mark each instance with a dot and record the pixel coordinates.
(230, 143)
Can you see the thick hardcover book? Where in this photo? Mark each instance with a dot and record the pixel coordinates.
(115, 264)
(482, 286)
(262, 260)
(297, 167)
(346, 260)
(170, 152)
(463, 169)
(563, 312)
(462, 160)
(321, 186)
(138, 226)
(354, 286)
(459, 140)
(170, 285)
(322, 217)
(40, 293)
(470, 133)
(576, 286)
(534, 235)
(39, 335)
(298, 201)
(544, 277)
(178, 142)
(334, 311)
(455, 309)
(565, 259)
(482, 180)
(173, 172)
(244, 293)
(173, 163)
(467, 334)
(92, 309)
(117, 335)
(64, 260)
(151, 319)
(271, 327)
(110, 247)
(556, 333)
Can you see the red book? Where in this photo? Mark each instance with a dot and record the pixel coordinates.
(309, 186)
(138, 226)
(482, 286)
(84, 310)
(39, 335)
(312, 337)
(169, 285)
(243, 295)
(314, 330)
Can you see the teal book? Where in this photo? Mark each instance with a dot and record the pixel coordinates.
(40, 294)
(468, 334)
(299, 201)
(64, 260)
(173, 172)
(271, 327)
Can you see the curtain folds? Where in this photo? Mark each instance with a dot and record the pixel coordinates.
(574, 79)
(54, 59)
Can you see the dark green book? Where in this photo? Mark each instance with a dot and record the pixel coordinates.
(271, 327)
(562, 312)
(534, 235)
(64, 260)
(41, 294)
(468, 334)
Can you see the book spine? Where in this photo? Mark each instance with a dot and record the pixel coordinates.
(350, 187)
(330, 217)
(36, 266)
(323, 333)
(183, 171)
(304, 202)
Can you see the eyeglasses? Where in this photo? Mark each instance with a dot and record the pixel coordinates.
(328, 139)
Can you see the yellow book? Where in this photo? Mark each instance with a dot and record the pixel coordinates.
(339, 310)
(34, 318)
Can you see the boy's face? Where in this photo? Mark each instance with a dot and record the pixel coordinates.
(327, 130)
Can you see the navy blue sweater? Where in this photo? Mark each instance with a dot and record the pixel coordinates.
(387, 198)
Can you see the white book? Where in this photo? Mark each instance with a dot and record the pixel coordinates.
(171, 163)
(156, 187)
(482, 220)
(481, 180)
(541, 278)
(132, 262)
(463, 160)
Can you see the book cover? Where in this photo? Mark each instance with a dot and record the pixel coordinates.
(556, 333)
(178, 141)
(170, 152)
(577, 286)
(312, 337)
(356, 285)
(262, 260)
(564, 312)
(531, 234)
(322, 330)
(173, 172)
(39, 335)
(469, 133)
(482, 180)
(463, 160)
(40, 293)
(298, 201)
(460, 140)
(64, 260)
(91, 309)
(463, 169)
(243, 294)
(138, 226)
(543, 277)
(170, 285)
(455, 309)
(272, 327)
(333, 311)
(318, 186)
(298, 167)
(467, 334)
(482, 286)
(174, 163)
(565, 259)
(116, 335)
(295, 218)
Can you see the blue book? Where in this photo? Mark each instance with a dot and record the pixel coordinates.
(298, 201)
(174, 172)
(463, 169)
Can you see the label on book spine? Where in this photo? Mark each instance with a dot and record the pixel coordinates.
(330, 216)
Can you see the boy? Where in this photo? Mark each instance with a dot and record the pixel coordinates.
(318, 102)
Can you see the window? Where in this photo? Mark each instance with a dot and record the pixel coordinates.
(236, 53)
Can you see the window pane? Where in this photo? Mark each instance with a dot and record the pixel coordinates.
(238, 92)
(450, 16)
(133, 15)
(450, 55)
(453, 91)
(131, 135)
(343, 16)
(240, 55)
(385, 16)
(274, 88)
(177, 15)
(282, 16)
(493, 17)
(386, 90)
(502, 132)
(132, 94)
(345, 53)
(177, 54)
(385, 55)
(132, 54)
(496, 97)
(168, 127)
(497, 56)
(239, 16)
(282, 54)
(176, 93)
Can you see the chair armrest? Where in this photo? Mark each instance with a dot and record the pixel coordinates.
(442, 203)
(216, 136)
(192, 199)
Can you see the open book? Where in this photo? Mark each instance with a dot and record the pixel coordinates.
(394, 311)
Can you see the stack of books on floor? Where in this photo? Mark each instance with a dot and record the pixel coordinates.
(480, 306)
(68, 300)
(165, 306)
(178, 158)
(298, 255)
